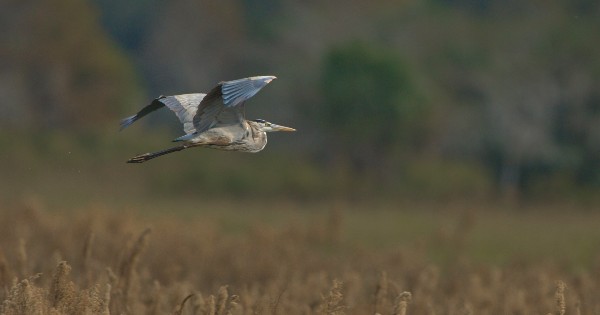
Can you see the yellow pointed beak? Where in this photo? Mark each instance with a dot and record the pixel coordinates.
(282, 128)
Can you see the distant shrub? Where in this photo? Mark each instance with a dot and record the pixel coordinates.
(369, 103)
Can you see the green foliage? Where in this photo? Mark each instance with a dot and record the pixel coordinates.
(370, 105)
(365, 91)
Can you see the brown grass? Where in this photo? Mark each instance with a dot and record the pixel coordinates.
(102, 262)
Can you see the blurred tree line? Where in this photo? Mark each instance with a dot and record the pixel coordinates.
(59, 68)
(489, 96)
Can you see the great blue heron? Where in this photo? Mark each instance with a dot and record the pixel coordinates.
(215, 120)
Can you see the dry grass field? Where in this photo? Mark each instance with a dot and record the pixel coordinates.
(292, 261)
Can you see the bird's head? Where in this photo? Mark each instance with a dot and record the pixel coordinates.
(269, 127)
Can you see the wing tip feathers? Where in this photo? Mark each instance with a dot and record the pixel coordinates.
(127, 121)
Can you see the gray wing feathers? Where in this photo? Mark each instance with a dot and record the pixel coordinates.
(185, 107)
(212, 111)
(198, 113)
(223, 105)
(127, 121)
(237, 91)
(206, 117)
(156, 104)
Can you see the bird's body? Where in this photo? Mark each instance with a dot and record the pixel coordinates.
(231, 138)
(214, 120)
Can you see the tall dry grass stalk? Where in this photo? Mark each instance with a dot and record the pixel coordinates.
(559, 297)
(333, 302)
(401, 303)
(22, 258)
(62, 290)
(222, 297)
(179, 308)
(381, 293)
(127, 271)
(106, 305)
(87, 253)
(211, 306)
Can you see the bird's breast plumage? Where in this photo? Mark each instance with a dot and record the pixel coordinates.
(241, 137)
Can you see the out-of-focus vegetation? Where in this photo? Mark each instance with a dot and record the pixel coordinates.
(60, 69)
(301, 261)
(423, 98)
(370, 108)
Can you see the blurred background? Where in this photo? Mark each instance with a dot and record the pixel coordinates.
(436, 139)
(432, 100)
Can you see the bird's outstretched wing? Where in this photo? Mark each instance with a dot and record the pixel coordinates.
(237, 91)
(212, 112)
(224, 104)
(184, 106)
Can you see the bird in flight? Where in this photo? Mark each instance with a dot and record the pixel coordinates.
(215, 120)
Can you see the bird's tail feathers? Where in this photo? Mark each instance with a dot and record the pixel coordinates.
(149, 156)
